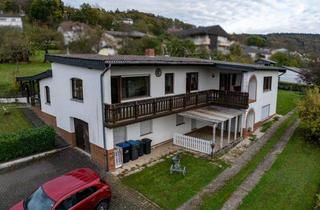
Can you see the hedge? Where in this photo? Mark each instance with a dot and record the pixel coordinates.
(292, 86)
(26, 142)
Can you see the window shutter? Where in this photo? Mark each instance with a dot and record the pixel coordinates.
(145, 127)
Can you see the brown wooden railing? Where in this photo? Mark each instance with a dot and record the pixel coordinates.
(130, 112)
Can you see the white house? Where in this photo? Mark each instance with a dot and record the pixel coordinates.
(11, 21)
(211, 37)
(96, 102)
(292, 75)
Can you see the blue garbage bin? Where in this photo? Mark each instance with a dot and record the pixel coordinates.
(126, 151)
(134, 149)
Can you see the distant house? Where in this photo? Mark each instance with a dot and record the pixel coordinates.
(292, 75)
(72, 31)
(256, 52)
(265, 62)
(127, 21)
(10, 21)
(212, 37)
(116, 39)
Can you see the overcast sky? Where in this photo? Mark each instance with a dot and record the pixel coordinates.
(239, 16)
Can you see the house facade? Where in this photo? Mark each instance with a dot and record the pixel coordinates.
(212, 38)
(96, 102)
(11, 21)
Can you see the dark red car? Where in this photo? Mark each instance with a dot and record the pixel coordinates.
(81, 189)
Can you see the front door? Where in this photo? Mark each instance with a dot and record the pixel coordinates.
(82, 135)
(115, 90)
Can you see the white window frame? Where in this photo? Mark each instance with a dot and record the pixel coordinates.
(142, 124)
(262, 117)
(178, 122)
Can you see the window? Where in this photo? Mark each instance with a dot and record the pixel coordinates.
(179, 120)
(192, 81)
(169, 83)
(77, 89)
(265, 112)
(48, 100)
(267, 82)
(39, 200)
(74, 199)
(145, 127)
(119, 134)
(135, 86)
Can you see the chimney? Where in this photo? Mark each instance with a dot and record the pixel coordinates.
(150, 52)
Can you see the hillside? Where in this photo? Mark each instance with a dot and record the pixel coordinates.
(303, 43)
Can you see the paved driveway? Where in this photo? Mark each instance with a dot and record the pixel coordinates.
(17, 183)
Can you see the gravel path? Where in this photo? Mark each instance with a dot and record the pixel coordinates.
(244, 189)
(219, 182)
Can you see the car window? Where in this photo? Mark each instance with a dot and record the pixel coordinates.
(85, 193)
(39, 200)
(67, 203)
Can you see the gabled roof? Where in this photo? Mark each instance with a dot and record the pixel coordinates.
(42, 75)
(209, 30)
(266, 60)
(10, 16)
(134, 34)
(96, 61)
(294, 69)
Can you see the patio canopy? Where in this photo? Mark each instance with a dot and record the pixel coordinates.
(213, 114)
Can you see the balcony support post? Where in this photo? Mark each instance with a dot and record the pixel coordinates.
(236, 127)
(221, 137)
(229, 130)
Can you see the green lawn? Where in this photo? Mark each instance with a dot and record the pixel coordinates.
(14, 120)
(171, 190)
(293, 180)
(287, 100)
(8, 72)
(216, 200)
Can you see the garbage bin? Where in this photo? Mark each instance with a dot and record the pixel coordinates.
(125, 151)
(140, 148)
(134, 147)
(146, 145)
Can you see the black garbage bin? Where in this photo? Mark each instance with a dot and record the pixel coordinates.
(146, 145)
(125, 151)
(140, 148)
(134, 149)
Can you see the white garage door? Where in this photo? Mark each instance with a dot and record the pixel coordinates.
(265, 112)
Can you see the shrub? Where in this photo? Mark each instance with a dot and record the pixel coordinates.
(309, 112)
(292, 86)
(26, 142)
(317, 206)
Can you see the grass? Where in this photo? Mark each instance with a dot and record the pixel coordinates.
(170, 191)
(216, 200)
(287, 101)
(8, 72)
(293, 180)
(14, 120)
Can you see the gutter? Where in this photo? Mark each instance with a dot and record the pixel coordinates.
(107, 67)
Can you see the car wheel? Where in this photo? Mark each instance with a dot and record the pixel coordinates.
(103, 205)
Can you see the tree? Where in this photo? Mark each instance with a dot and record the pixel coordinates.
(180, 47)
(9, 6)
(311, 74)
(44, 38)
(47, 11)
(309, 112)
(89, 41)
(138, 47)
(287, 59)
(256, 41)
(13, 45)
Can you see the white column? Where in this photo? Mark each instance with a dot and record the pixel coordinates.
(214, 126)
(221, 138)
(241, 124)
(236, 128)
(214, 133)
(229, 129)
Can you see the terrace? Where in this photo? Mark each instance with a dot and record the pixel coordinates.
(121, 114)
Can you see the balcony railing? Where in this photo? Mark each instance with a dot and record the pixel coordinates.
(130, 112)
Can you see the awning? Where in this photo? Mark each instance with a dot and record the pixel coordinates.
(42, 75)
(213, 114)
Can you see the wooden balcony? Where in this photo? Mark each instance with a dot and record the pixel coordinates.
(131, 112)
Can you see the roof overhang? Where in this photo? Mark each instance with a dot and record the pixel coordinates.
(43, 75)
(212, 114)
